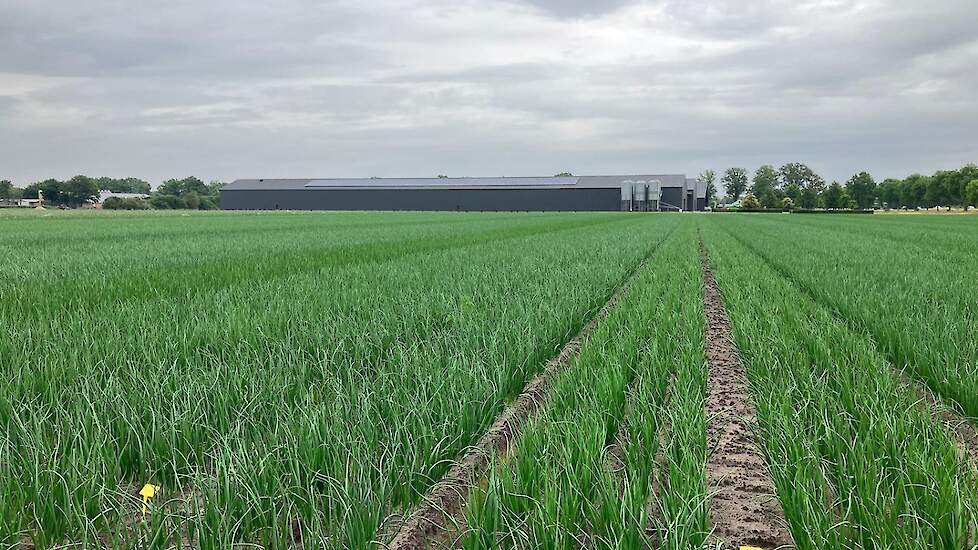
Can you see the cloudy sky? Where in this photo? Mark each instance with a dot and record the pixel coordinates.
(302, 88)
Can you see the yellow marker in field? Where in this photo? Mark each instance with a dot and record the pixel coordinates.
(148, 491)
(750, 548)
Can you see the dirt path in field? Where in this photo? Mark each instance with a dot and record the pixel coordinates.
(439, 519)
(744, 510)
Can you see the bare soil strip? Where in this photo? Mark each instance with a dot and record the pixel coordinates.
(442, 510)
(744, 510)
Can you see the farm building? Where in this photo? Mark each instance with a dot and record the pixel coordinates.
(591, 193)
(29, 203)
(105, 194)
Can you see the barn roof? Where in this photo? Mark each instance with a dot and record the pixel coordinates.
(665, 180)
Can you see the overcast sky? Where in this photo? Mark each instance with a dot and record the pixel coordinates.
(302, 88)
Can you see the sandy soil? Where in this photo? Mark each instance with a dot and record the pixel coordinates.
(744, 510)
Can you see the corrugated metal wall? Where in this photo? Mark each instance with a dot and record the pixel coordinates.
(577, 199)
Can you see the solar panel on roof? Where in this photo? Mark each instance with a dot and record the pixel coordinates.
(441, 182)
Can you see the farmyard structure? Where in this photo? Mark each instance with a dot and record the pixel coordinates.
(662, 192)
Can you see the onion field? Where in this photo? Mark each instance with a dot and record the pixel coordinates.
(311, 380)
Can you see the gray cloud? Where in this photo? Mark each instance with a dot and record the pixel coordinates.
(577, 8)
(482, 87)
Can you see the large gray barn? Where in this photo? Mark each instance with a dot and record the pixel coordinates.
(595, 193)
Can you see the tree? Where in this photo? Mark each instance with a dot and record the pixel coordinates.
(862, 189)
(809, 184)
(966, 175)
(113, 203)
(913, 190)
(167, 202)
(971, 193)
(938, 191)
(793, 192)
(709, 177)
(787, 204)
(889, 193)
(809, 198)
(136, 185)
(193, 185)
(186, 193)
(170, 187)
(765, 187)
(835, 196)
(796, 173)
(735, 182)
(750, 202)
(179, 188)
(214, 188)
(79, 190)
(948, 187)
(118, 203)
(6, 190)
(123, 185)
(711, 194)
(192, 199)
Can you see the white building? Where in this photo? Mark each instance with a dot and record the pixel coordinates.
(104, 194)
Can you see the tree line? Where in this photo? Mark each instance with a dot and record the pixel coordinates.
(795, 185)
(187, 193)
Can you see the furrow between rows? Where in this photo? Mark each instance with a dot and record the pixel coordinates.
(442, 508)
(960, 427)
(962, 431)
(744, 510)
(858, 458)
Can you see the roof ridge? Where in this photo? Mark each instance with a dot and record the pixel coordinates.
(464, 177)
